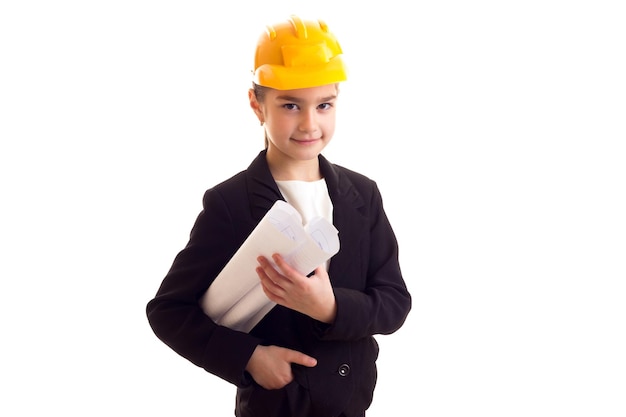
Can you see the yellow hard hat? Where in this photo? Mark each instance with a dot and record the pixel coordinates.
(296, 54)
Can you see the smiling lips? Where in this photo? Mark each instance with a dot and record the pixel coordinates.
(305, 141)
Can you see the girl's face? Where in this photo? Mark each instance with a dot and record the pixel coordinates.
(298, 123)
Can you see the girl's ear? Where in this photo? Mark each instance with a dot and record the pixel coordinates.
(255, 105)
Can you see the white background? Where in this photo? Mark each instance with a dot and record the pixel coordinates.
(501, 126)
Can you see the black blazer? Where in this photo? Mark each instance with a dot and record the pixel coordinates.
(371, 295)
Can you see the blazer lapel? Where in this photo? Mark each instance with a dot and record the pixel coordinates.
(347, 218)
(262, 188)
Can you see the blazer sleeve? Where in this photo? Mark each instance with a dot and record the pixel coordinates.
(175, 314)
(374, 298)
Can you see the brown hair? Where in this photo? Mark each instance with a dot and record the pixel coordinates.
(259, 92)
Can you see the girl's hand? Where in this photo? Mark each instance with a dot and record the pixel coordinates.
(312, 295)
(270, 366)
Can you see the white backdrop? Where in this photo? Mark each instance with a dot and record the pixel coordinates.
(502, 125)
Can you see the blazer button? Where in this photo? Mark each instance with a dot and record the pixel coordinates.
(344, 370)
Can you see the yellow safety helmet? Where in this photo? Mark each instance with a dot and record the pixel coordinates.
(296, 54)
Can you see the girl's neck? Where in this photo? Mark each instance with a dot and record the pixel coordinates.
(293, 170)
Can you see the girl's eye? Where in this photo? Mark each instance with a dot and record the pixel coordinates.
(324, 106)
(290, 106)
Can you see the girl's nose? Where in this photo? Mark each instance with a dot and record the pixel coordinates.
(308, 123)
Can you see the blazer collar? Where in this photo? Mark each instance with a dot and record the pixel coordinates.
(263, 190)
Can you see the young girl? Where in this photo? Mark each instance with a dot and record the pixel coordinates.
(314, 353)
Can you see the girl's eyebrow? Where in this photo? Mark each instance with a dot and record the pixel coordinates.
(299, 100)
